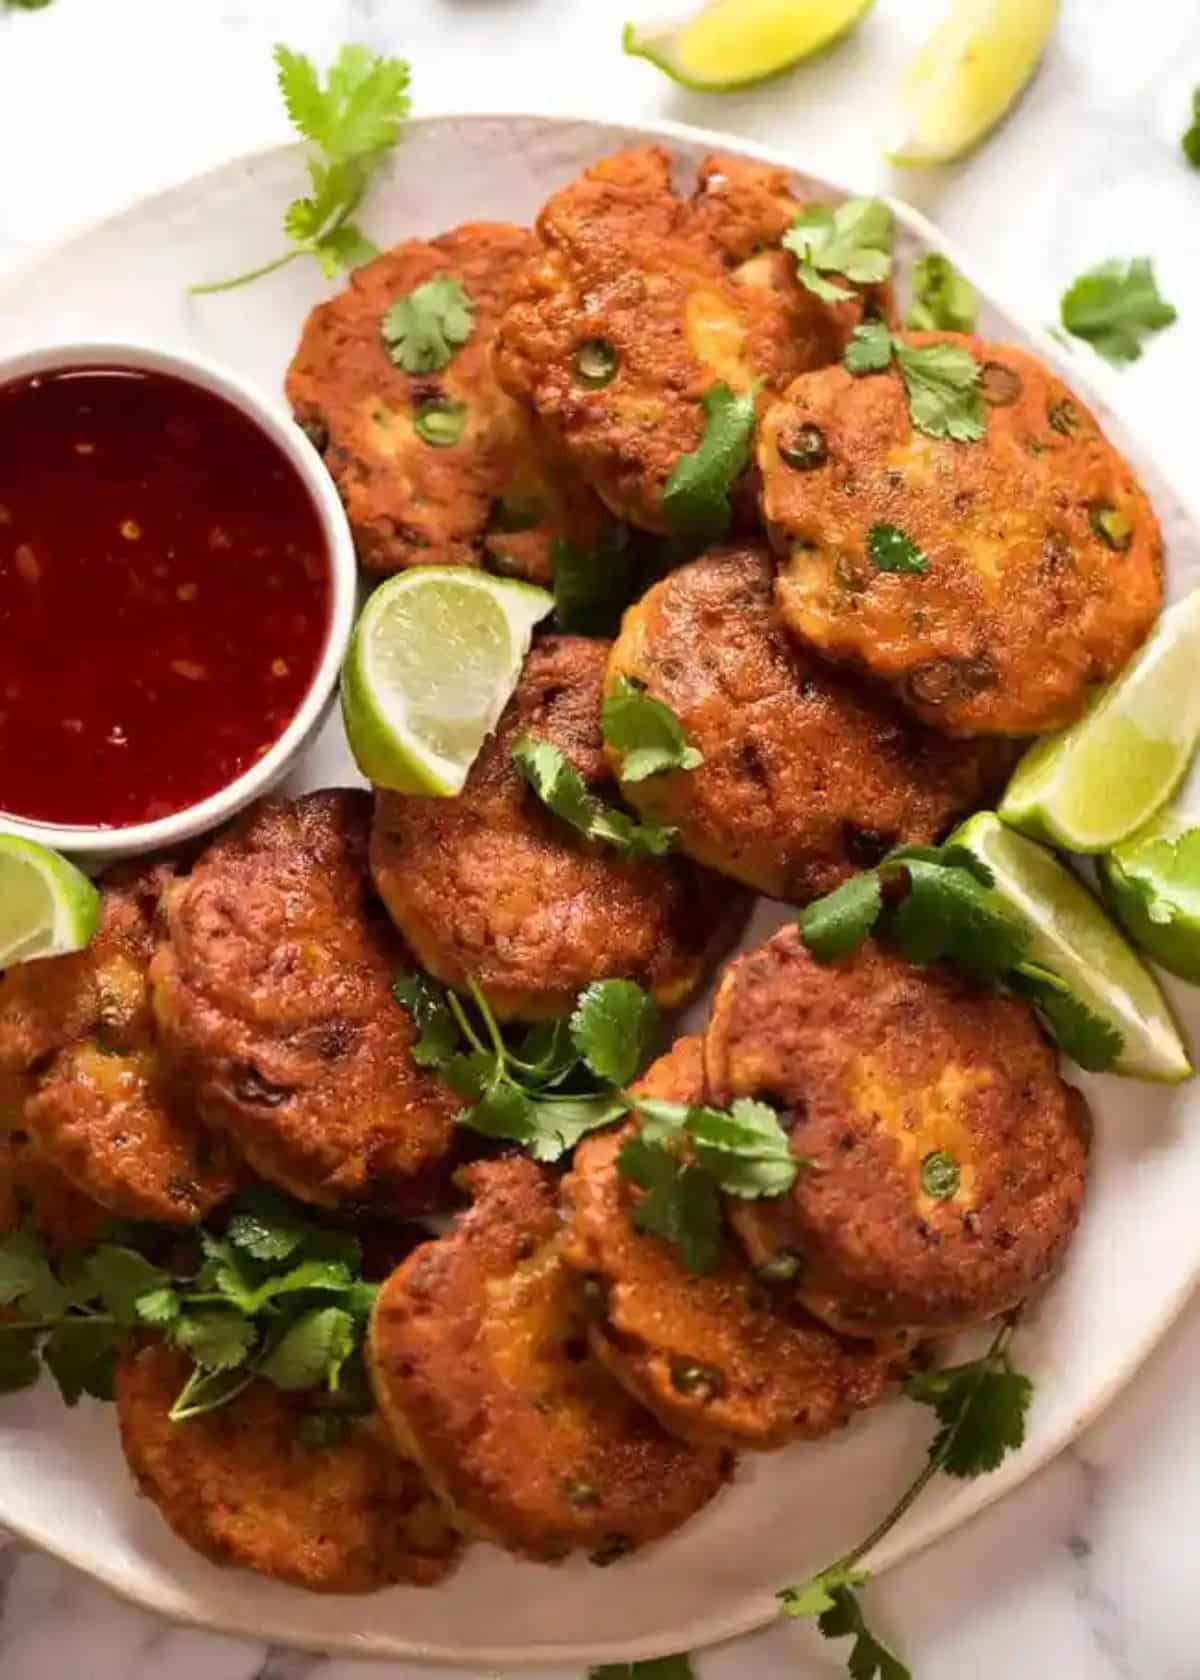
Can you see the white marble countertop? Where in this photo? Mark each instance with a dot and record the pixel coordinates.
(1087, 1573)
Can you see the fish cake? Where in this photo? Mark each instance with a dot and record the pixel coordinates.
(33, 1191)
(808, 773)
(948, 1155)
(241, 1485)
(720, 1360)
(79, 1048)
(497, 496)
(1044, 558)
(273, 995)
(622, 323)
(493, 885)
(479, 1358)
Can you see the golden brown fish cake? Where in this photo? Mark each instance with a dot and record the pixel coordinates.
(808, 773)
(240, 1485)
(493, 885)
(720, 1360)
(949, 1157)
(32, 1189)
(625, 273)
(1044, 556)
(273, 994)
(497, 496)
(480, 1363)
(79, 1046)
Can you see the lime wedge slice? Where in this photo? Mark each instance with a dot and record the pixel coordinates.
(435, 655)
(1093, 785)
(1152, 882)
(965, 78)
(47, 907)
(1073, 938)
(731, 43)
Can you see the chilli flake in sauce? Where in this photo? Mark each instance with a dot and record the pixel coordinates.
(165, 595)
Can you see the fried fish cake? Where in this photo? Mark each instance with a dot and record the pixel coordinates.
(79, 1046)
(273, 995)
(1043, 556)
(807, 773)
(32, 1189)
(624, 321)
(492, 884)
(948, 1156)
(242, 1486)
(496, 495)
(720, 1360)
(479, 1357)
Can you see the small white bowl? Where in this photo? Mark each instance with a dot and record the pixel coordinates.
(98, 845)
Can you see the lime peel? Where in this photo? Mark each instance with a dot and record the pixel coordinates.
(47, 906)
(734, 43)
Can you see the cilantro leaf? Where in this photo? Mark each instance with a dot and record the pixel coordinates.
(613, 1027)
(891, 551)
(1165, 873)
(159, 1306)
(646, 733)
(312, 1351)
(216, 1338)
(548, 1127)
(944, 395)
(696, 498)
(816, 1596)
(681, 1204)
(592, 587)
(20, 1366)
(1191, 138)
(869, 349)
(661, 1668)
(563, 790)
(1115, 307)
(1086, 1037)
(981, 1408)
(437, 1029)
(120, 1276)
(745, 1151)
(23, 1265)
(424, 328)
(79, 1354)
(838, 923)
(870, 1658)
(853, 239)
(943, 299)
(265, 1225)
(949, 914)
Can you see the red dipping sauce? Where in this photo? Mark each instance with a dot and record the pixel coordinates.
(165, 595)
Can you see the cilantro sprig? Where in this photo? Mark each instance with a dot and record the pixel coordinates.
(891, 551)
(939, 903)
(1191, 136)
(943, 299)
(941, 381)
(424, 328)
(563, 790)
(981, 1408)
(696, 497)
(1115, 308)
(592, 587)
(853, 239)
(353, 122)
(659, 1668)
(646, 733)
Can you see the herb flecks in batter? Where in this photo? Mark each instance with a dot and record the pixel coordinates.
(647, 734)
(891, 551)
(424, 328)
(853, 239)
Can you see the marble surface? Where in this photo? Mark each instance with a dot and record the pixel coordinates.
(1087, 1572)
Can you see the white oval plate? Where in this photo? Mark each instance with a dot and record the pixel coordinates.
(63, 1483)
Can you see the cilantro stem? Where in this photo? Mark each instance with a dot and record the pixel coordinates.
(489, 1020)
(182, 1409)
(28, 1324)
(249, 275)
(464, 1023)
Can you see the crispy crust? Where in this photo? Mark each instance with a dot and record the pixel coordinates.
(78, 1044)
(411, 503)
(273, 993)
(874, 1065)
(808, 773)
(1025, 605)
(492, 884)
(721, 1360)
(480, 1362)
(32, 1188)
(240, 1486)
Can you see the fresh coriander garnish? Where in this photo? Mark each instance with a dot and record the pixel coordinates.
(646, 733)
(1191, 138)
(1115, 307)
(941, 381)
(353, 121)
(941, 905)
(592, 587)
(853, 239)
(891, 551)
(563, 790)
(696, 498)
(424, 328)
(981, 1409)
(943, 299)
(661, 1668)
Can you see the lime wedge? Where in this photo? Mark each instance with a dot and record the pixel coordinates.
(435, 655)
(731, 43)
(965, 77)
(1073, 938)
(1152, 882)
(47, 907)
(1093, 785)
